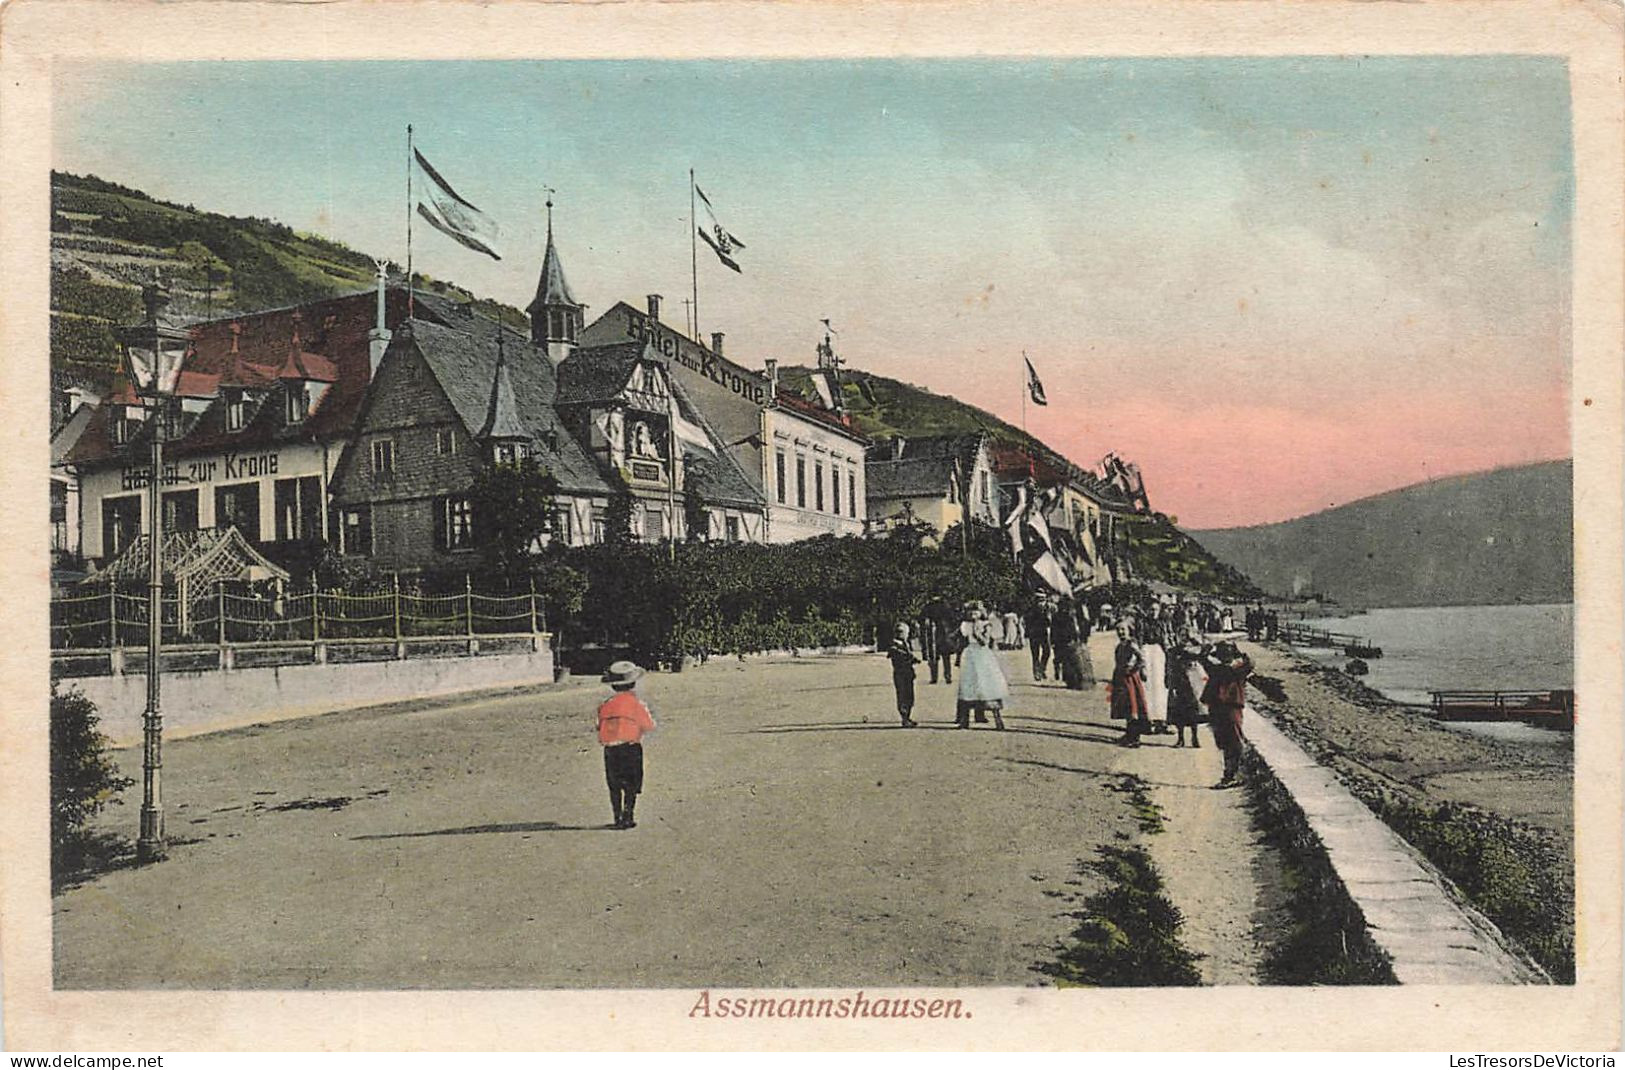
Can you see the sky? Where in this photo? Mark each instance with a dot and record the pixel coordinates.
(1277, 284)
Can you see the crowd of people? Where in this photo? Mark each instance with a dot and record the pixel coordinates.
(1174, 666)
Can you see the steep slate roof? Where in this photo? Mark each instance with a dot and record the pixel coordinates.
(551, 288)
(725, 481)
(464, 360)
(599, 373)
(804, 408)
(502, 414)
(919, 477)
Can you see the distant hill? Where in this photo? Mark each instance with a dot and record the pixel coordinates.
(1490, 538)
(106, 239)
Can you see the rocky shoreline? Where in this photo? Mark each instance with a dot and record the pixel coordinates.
(1494, 815)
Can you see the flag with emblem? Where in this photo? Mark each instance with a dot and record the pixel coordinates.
(718, 237)
(1034, 387)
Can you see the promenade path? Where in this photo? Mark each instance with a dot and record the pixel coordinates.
(790, 835)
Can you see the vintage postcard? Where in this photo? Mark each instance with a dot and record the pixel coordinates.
(842, 525)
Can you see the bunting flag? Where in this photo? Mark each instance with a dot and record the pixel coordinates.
(1038, 552)
(1034, 387)
(718, 238)
(452, 215)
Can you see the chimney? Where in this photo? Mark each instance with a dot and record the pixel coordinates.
(772, 378)
(654, 307)
(716, 342)
(378, 337)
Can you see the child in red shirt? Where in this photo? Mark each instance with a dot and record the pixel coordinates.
(622, 721)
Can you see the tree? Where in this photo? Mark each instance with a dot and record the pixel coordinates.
(696, 520)
(513, 508)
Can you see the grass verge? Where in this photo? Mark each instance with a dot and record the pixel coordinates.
(1325, 941)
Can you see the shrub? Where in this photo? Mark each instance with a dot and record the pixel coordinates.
(84, 780)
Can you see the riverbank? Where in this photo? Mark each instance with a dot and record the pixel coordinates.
(1495, 815)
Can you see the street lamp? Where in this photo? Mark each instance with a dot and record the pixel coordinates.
(152, 352)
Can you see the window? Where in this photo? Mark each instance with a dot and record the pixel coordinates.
(122, 426)
(59, 515)
(357, 531)
(298, 508)
(504, 453)
(654, 523)
(383, 457)
(731, 528)
(456, 524)
(835, 490)
(445, 441)
(818, 485)
(238, 506)
(236, 410)
(121, 523)
(180, 510)
(600, 526)
(778, 462)
(851, 493)
(801, 482)
(562, 525)
(298, 406)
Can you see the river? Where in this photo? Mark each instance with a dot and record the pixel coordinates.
(1439, 648)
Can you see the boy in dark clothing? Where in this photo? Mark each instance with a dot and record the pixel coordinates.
(902, 658)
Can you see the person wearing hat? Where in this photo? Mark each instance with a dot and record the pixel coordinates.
(1225, 696)
(903, 661)
(622, 721)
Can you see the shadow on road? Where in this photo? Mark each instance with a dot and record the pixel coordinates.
(474, 830)
(1088, 772)
(1015, 729)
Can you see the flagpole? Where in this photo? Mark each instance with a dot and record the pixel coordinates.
(1032, 471)
(694, 252)
(409, 221)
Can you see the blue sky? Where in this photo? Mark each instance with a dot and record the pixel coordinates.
(1328, 240)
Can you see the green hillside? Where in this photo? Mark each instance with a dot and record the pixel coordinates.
(884, 408)
(106, 239)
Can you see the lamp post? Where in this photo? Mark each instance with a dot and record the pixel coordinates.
(152, 352)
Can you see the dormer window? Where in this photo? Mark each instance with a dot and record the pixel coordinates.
(124, 419)
(236, 410)
(508, 452)
(298, 404)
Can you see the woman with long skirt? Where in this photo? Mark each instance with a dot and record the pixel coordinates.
(982, 686)
(1153, 648)
(1186, 680)
(1128, 689)
(1077, 671)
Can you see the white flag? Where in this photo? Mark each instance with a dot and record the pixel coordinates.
(717, 237)
(453, 216)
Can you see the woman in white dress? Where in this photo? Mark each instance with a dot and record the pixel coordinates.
(982, 686)
(1153, 648)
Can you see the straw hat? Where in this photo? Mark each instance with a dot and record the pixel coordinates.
(622, 672)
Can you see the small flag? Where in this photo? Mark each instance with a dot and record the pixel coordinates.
(1034, 387)
(453, 216)
(721, 242)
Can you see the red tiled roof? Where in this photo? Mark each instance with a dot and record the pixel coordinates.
(325, 340)
(802, 407)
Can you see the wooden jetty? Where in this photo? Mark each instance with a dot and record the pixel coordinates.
(1352, 645)
(1545, 709)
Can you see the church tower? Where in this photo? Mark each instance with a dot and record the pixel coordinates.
(555, 315)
